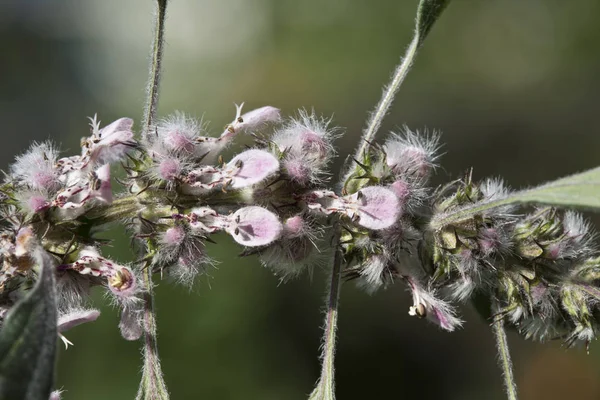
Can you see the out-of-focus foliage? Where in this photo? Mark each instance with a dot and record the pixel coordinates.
(512, 85)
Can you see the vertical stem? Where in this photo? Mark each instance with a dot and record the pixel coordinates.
(504, 359)
(152, 385)
(387, 98)
(154, 73)
(427, 13)
(325, 389)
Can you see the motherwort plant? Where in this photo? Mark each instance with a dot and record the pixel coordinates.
(521, 256)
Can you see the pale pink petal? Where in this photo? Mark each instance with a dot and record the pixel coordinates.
(254, 226)
(250, 167)
(76, 317)
(378, 207)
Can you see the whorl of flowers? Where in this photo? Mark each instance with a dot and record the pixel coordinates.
(273, 200)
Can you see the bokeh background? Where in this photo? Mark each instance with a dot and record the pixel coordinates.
(513, 85)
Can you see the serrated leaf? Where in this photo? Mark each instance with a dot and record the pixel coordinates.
(575, 191)
(427, 13)
(28, 340)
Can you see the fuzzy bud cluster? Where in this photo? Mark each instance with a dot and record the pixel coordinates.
(541, 267)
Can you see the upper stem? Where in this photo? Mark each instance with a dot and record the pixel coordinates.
(387, 99)
(155, 65)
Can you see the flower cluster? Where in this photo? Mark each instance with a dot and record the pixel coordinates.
(272, 199)
(187, 192)
(380, 210)
(55, 202)
(41, 182)
(541, 267)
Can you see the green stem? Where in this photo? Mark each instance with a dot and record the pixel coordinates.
(118, 210)
(387, 99)
(325, 389)
(155, 65)
(504, 354)
(152, 385)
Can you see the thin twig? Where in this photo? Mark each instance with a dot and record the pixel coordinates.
(325, 389)
(504, 354)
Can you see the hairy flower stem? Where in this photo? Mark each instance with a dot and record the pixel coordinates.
(427, 13)
(503, 353)
(155, 65)
(152, 385)
(388, 97)
(325, 389)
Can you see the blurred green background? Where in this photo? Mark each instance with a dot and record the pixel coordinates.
(513, 85)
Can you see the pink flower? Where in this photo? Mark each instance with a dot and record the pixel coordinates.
(110, 143)
(251, 167)
(298, 170)
(101, 190)
(72, 318)
(374, 207)
(130, 324)
(254, 226)
(76, 317)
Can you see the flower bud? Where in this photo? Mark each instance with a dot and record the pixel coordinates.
(412, 155)
(36, 168)
(251, 120)
(295, 226)
(33, 202)
(374, 272)
(56, 395)
(305, 144)
(169, 168)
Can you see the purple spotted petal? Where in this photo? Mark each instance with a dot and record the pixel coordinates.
(378, 207)
(254, 226)
(252, 166)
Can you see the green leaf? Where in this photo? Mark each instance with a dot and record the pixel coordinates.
(427, 13)
(576, 191)
(28, 340)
